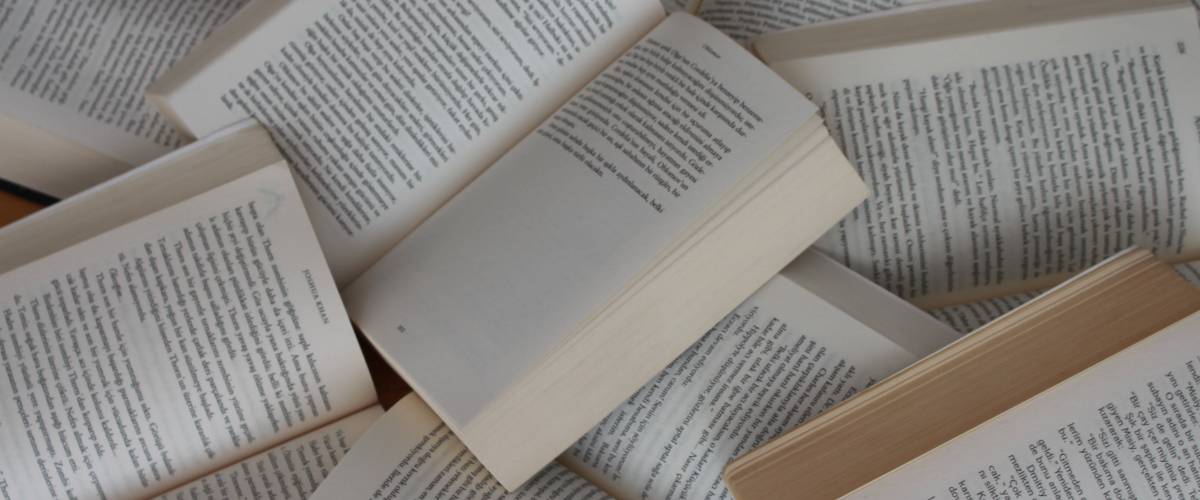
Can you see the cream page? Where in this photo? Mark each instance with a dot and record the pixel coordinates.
(1003, 159)
(1125, 428)
(784, 356)
(172, 346)
(292, 470)
(410, 454)
(477, 295)
(78, 68)
(387, 109)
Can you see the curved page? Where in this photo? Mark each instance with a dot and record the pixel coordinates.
(409, 453)
(172, 346)
(77, 71)
(1004, 161)
(784, 356)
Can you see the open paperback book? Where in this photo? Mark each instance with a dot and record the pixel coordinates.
(1116, 429)
(814, 335)
(1124, 428)
(1007, 143)
(949, 393)
(72, 108)
(176, 324)
(660, 177)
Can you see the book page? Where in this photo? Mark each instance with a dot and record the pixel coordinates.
(409, 453)
(78, 69)
(746, 19)
(48, 165)
(968, 317)
(1125, 428)
(291, 470)
(1002, 162)
(172, 346)
(387, 109)
(782, 357)
(570, 216)
(879, 310)
(181, 174)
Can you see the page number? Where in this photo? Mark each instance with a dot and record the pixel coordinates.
(1181, 47)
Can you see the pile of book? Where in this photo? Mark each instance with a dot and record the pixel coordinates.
(562, 249)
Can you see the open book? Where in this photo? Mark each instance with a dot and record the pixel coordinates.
(72, 109)
(660, 177)
(812, 336)
(175, 324)
(1125, 427)
(1008, 143)
(947, 394)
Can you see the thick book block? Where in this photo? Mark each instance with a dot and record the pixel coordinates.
(1025, 352)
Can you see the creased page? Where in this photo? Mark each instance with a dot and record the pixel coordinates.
(555, 229)
(292, 470)
(746, 19)
(386, 109)
(1125, 428)
(409, 453)
(1002, 162)
(172, 346)
(78, 68)
(782, 357)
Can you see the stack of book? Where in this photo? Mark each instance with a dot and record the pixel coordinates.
(630, 249)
